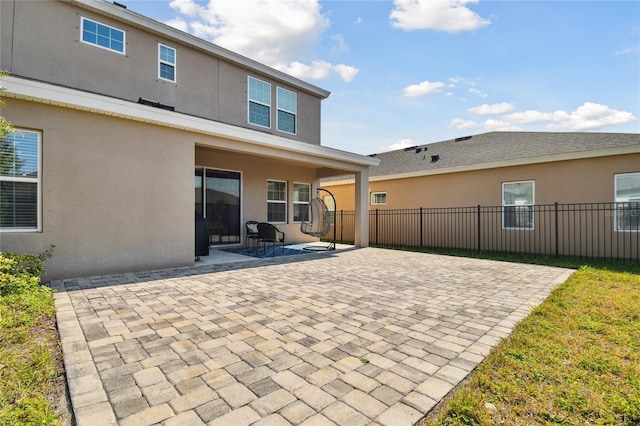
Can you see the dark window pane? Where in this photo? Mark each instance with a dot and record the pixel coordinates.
(276, 212)
(259, 114)
(18, 205)
(286, 122)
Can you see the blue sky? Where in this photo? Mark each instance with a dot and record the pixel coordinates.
(411, 72)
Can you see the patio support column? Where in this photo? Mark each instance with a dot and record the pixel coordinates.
(362, 208)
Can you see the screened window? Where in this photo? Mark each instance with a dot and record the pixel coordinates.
(517, 205)
(166, 62)
(102, 35)
(378, 198)
(287, 103)
(259, 102)
(627, 188)
(20, 181)
(301, 199)
(276, 201)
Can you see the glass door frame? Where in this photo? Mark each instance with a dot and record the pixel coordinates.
(203, 203)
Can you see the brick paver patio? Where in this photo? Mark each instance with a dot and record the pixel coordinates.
(358, 337)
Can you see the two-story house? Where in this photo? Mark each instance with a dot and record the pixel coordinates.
(126, 126)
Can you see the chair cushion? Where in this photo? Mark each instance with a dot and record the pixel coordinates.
(252, 227)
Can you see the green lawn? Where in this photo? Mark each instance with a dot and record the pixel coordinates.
(31, 372)
(575, 360)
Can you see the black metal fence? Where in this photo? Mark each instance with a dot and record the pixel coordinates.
(594, 230)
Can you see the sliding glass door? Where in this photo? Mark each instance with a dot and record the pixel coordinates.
(217, 196)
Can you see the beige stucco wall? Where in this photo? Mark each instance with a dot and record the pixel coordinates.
(573, 181)
(41, 40)
(116, 195)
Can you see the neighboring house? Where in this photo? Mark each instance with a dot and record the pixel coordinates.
(498, 191)
(126, 126)
(503, 169)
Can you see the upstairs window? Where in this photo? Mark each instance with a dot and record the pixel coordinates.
(287, 103)
(301, 199)
(276, 201)
(517, 205)
(378, 198)
(627, 188)
(166, 63)
(102, 35)
(20, 181)
(259, 102)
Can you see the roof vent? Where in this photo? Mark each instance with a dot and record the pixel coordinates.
(435, 158)
(418, 150)
(373, 155)
(410, 148)
(464, 138)
(124, 6)
(156, 104)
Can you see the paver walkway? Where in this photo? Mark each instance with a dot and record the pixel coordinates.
(367, 336)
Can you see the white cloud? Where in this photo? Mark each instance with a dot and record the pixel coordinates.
(590, 116)
(318, 70)
(346, 72)
(179, 24)
(459, 123)
(423, 89)
(529, 117)
(450, 16)
(340, 46)
(499, 125)
(625, 51)
(495, 109)
(278, 33)
(479, 93)
(358, 20)
(401, 144)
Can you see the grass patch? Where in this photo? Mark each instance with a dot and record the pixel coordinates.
(574, 360)
(631, 266)
(31, 370)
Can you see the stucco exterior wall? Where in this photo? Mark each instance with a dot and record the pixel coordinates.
(206, 86)
(574, 181)
(116, 195)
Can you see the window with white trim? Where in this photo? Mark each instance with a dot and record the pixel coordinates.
(378, 198)
(20, 208)
(166, 63)
(287, 104)
(301, 199)
(627, 192)
(259, 102)
(276, 201)
(101, 35)
(517, 205)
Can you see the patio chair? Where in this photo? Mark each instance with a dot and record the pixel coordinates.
(251, 232)
(317, 220)
(269, 234)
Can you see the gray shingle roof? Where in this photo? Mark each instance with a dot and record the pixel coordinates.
(495, 147)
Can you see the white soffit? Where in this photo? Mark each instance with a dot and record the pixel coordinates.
(75, 99)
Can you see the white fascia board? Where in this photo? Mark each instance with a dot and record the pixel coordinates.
(592, 153)
(71, 98)
(141, 21)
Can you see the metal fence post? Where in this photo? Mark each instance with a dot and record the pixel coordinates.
(376, 233)
(479, 233)
(421, 228)
(557, 237)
